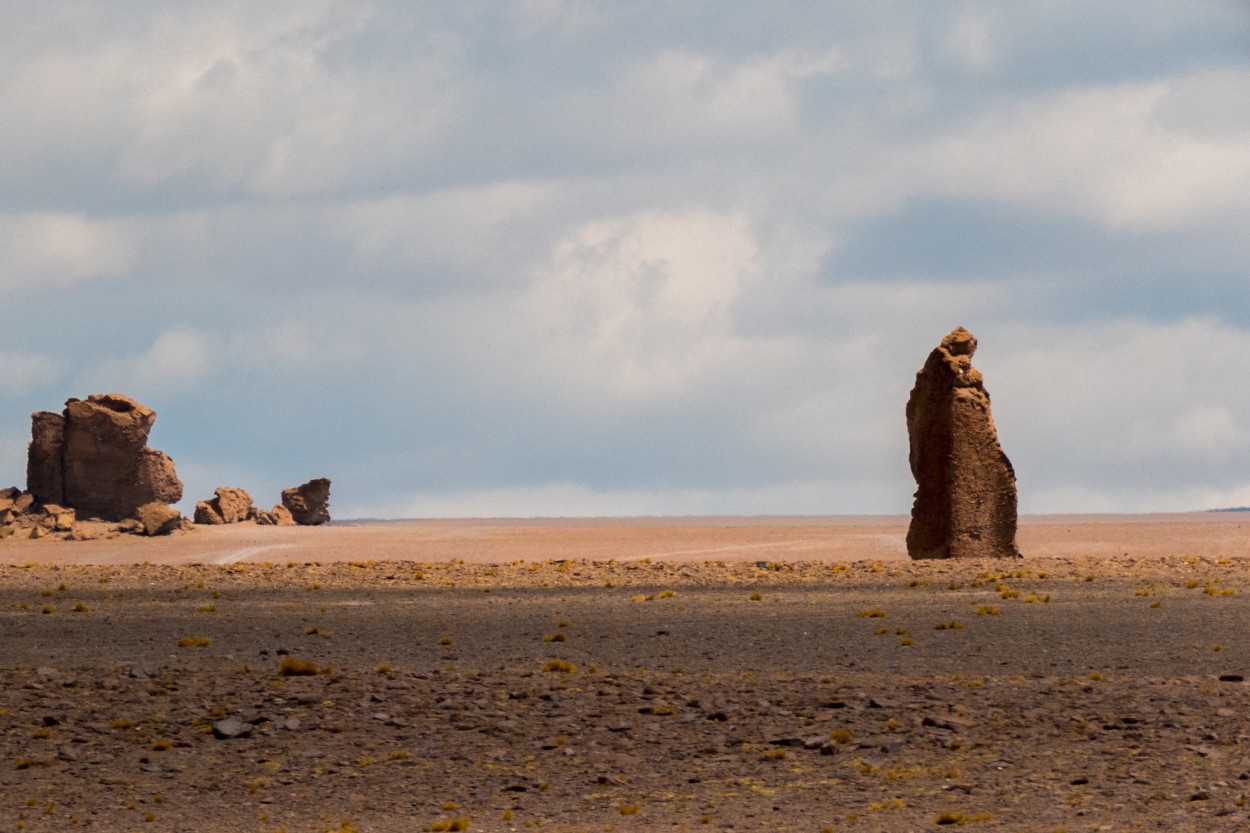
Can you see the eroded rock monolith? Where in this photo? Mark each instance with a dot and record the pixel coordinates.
(94, 458)
(309, 504)
(965, 504)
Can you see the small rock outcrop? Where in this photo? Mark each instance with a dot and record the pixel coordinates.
(278, 516)
(306, 505)
(227, 506)
(94, 458)
(309, 504)
(965, 503)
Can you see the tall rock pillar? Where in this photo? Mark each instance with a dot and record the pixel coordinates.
(965, 504)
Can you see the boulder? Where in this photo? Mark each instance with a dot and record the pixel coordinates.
(206, 514)
(309, 504)
(227, 506)
(94, 458)
(965, 502)
(234, 505)
(278, 516)
(158, 518)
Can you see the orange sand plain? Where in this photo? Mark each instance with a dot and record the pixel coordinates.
(797, 538)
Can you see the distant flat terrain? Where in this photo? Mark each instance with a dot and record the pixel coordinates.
(755, 538)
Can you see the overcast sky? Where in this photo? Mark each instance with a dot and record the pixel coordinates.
(581, 257)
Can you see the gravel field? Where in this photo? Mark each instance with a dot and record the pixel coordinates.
(1050, 693)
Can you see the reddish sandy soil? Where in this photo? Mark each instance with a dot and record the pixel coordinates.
(629, 675)
(834, 538)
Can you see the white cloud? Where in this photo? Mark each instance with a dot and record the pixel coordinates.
(229, 97)
(578, 500)
(566, 18)
(258, 107)
(486, 232)
(177, 360)
(971, 40)
(293, 343)
(1082, 407)
(20, 372)
(678, 97)
(644, 305)
(59, 250)
(1111, 154)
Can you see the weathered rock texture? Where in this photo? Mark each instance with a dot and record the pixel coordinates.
(308, 504)
(965, 504)
(278, 516)
(228, 506)
(94, 459)
(45, 460)
(23, 516)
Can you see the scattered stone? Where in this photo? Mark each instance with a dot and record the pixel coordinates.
(229, 729)
(309, 504)
(965, 503)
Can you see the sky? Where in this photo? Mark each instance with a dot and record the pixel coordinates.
(583, 257)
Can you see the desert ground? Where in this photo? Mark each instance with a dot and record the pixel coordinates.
(744, 674)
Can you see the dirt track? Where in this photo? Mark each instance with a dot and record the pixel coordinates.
(1058, 693)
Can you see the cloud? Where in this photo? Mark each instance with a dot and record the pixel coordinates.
(452, 240)
(566, 18)
(568, 251)
(680, 98)
(59, 250)
(292, 346)
(22, 372)
(178, 359)
(578, 500)
(1125, 409)
(971, 40)
(1112, 154)
(643, 306)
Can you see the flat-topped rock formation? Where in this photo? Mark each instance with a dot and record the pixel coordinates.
(965, 503)
(92, 462)
(94, 458)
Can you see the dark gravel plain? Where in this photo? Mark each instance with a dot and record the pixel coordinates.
(1034, 695)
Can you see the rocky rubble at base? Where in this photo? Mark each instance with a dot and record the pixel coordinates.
(22, 515)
